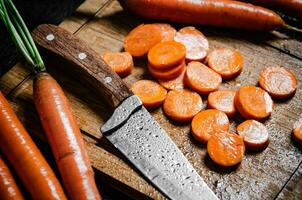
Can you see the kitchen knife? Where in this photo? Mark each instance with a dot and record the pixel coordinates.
(131, 128)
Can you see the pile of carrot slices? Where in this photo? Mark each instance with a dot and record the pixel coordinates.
(185, 71)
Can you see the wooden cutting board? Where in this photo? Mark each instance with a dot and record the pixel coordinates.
(274, 173)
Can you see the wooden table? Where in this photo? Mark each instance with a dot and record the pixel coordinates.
(274, 173)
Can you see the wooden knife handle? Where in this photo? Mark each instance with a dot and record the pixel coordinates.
(88, 64)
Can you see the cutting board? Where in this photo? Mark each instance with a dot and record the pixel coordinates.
(273, 173)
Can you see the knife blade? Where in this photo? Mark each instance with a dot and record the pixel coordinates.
(131, 128)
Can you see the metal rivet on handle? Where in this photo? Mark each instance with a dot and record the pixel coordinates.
(50, 37)
(108, 79)
(82, 56)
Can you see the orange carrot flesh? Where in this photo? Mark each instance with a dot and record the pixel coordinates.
(175, 83)
(253, 103)
(168, 73)
(182, 105)
(226, 148)
(208, 122)
(221, 13)
(8, 187)
(65, 138)
(168, 32)
(297, 131)
(120, 62)
(141, 39)
(150, 93)
(197, 45)
(226, 62)
(24, 156)
(279, 82)
(254, 133)
(201, 79)
(223, 100)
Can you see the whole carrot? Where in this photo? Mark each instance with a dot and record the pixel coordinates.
(222, 13)
(8, 187)
(65, 138)
(25, 157)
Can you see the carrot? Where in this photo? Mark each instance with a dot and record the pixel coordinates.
(297, 131)
(168, 32)
(254, 133)
(253, 103)
(221, 13)
(120, 62)
(197, 45)
(208, 122)
(166, 54)
(174, 84)
(168, 73)
(8, 187)
(279, 82)
(150, 93)
(182, 105)
(224, 101)
(201, 79)
(65, 138)
(226, 148)
(24, 156)
(141, 39)
(226, 62)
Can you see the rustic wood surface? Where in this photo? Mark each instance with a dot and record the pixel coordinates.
(273, 173)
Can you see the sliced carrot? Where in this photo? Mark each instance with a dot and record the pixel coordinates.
(182, 105)
(223, 100)
(226, 148)
(197, 45)
(166, 54)
(174, 84)
(253, 103)
(141, 39)
(254, 133)
(297, 131)
(201, 79)
(150, 93)
(120, 62)
(168, 32)
(226, 62)
(208, 122)
(278, 82)
(168, 73)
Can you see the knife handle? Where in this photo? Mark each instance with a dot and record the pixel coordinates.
(87, 63)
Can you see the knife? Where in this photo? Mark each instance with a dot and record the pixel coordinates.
(131, 128)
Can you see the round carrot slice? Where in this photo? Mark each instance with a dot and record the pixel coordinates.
(197, 45)
(253, 103)
(141, 39)
(174, 84)
(120, 62)
(168, 32)
(226, 62)
(150, 93)
(297, 131)
(278, 82)
(208, 122)
(166, 54)
(168, 73)
(223, 100)
(254, 133)
(182, 105)
(201, 79)
(226, 148)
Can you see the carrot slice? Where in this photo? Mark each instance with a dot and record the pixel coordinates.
(168, 73)
(174, 84)
(223, 100)
(182, 105)
(253, 103)
(168, 32)
(226, 62)
(201, 79)
(197, 45)
(166, 54)
(297, 131)
(226, 148)
(278, 82)
(141, 39)
(208, 122)
(120, 62)
(150, 93)
(254, 133)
